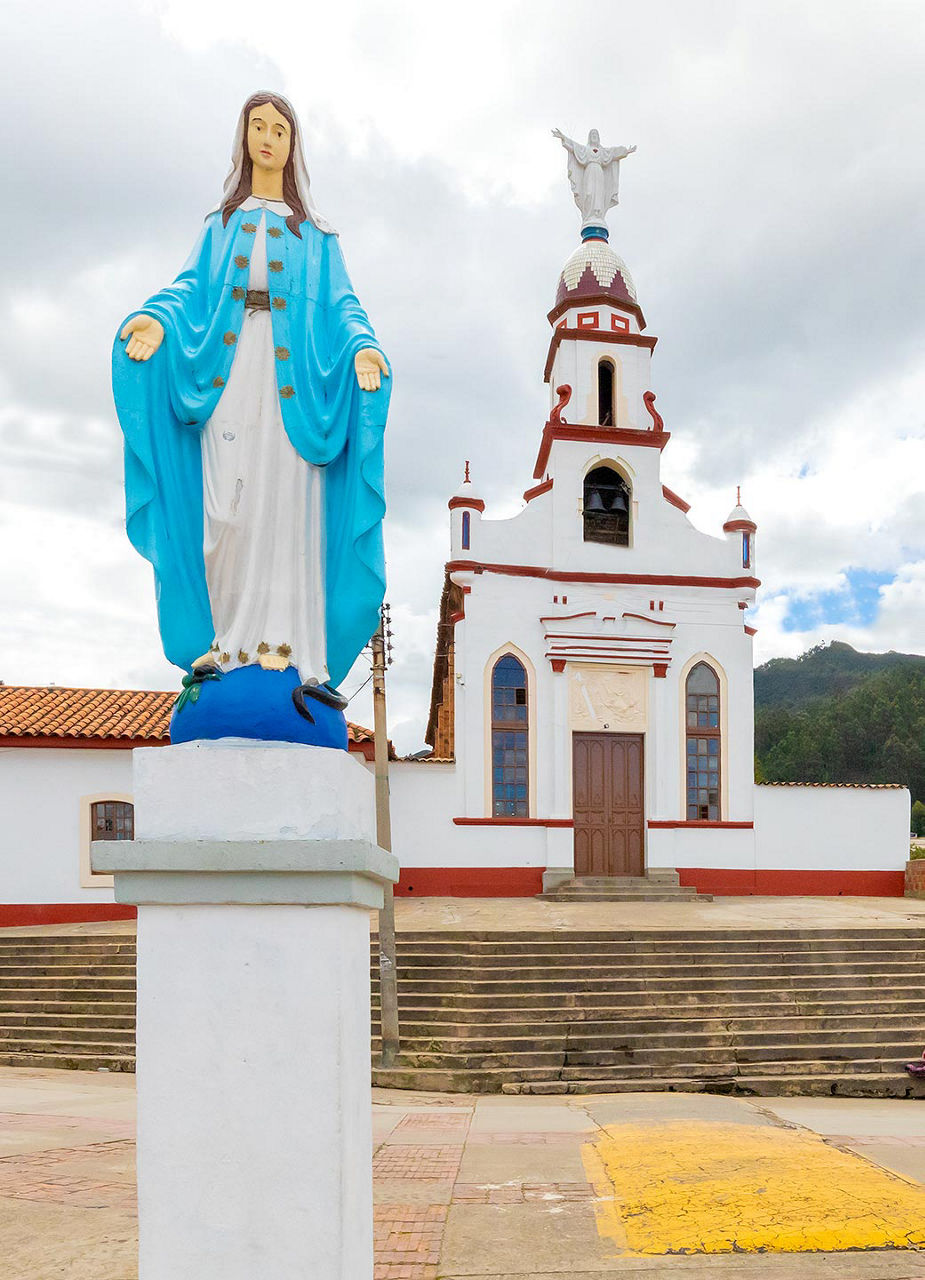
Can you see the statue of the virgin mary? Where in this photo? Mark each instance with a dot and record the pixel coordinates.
(253, 396)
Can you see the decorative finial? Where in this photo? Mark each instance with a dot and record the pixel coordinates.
(467, 480)
(738, 495)
(594, 174)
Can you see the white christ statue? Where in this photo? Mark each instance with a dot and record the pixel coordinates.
(594, 173)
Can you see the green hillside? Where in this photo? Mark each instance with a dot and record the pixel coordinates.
(823, 670)
(836, 715)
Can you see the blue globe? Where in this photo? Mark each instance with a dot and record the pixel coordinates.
(253, 703)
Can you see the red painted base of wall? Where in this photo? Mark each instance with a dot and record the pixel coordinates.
(469, 882)
(25, 913)
(815, 884)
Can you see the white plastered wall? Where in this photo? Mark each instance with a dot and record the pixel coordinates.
(44, 795)
(838, 828)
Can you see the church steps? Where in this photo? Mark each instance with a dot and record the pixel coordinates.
(749, 1011)
(734, 1011)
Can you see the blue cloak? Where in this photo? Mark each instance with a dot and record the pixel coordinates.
(163, 404)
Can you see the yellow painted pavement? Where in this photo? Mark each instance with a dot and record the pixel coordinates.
(706, 1187)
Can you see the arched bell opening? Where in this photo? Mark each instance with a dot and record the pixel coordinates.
(606, 507)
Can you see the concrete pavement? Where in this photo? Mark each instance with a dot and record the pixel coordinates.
(500, 1188)
(513, 914)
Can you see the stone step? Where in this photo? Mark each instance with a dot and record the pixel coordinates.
(69, 968)
(850, 1085)
(47, 987)
(619, 886)
(623, 895)
(577, 1042)
(706, 1062)
(410, 976)
(850, 1082)
(62, 1034)
(516, 994)
(77, 1018)
(667, 936)
(102, 1061)
(912, 951)
(668, 1031)
(103, 1004)
(91, 1044)
(9, 953)
(772, 1005)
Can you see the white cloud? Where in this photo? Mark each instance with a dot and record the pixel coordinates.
(771, 218)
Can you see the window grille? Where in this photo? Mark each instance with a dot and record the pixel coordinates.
(703, 744)
(509, 742)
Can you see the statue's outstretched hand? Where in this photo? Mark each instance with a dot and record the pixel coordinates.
(145, 335)
(369, 363)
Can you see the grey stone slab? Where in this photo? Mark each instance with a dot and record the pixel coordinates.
(858, 1117)
(523, 1240)
(497, 1162)
(648, 1108)
(908, 1162)
(538, 1118)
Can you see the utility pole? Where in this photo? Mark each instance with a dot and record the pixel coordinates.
(388, 978)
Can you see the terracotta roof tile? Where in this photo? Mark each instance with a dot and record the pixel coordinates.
(58, 712)
(851, 786)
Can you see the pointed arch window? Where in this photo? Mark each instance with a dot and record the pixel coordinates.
(606, 507)
(509, 739)
(703, 744)
(605, 372)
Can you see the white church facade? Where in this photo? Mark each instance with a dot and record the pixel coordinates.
(592, 711)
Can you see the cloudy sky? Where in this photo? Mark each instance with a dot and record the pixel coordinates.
(772, 220)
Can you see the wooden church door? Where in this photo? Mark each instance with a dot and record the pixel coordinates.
(608, 804)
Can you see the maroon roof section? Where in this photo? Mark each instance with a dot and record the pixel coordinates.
(589, 286)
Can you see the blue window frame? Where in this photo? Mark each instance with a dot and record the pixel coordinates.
(466, 519)
(509, 742)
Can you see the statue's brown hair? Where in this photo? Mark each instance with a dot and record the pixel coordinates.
(290, 187)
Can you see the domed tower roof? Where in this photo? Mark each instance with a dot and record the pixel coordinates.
(465, 496)
(594, 271)
(739, 518)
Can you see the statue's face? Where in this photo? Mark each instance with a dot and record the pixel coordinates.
(594, 138)
(269, 138)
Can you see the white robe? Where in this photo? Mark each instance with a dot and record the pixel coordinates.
(262, 533)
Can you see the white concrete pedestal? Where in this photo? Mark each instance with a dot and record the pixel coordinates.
(254, 868)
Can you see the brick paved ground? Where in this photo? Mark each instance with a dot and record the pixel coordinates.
(493, 1187)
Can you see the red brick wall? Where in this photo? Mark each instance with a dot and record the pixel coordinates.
(915, 878)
